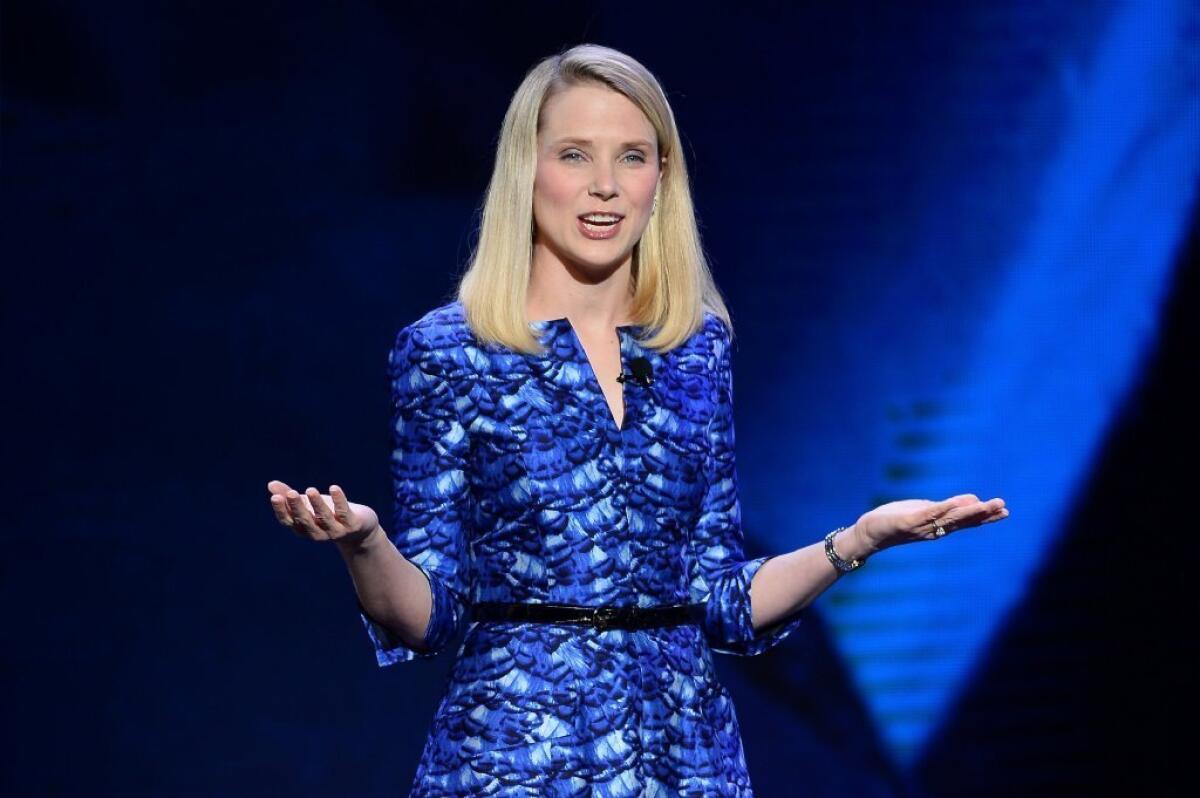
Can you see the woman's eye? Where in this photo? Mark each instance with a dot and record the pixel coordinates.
(574, 156)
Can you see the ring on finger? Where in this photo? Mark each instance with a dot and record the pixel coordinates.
(938, 529)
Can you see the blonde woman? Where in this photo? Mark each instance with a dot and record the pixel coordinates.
(564, 475)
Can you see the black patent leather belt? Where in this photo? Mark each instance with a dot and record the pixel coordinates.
(609, 617)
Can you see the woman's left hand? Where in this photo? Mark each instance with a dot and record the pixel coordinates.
(911, 520)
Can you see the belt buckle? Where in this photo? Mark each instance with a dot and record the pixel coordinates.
(605, 617)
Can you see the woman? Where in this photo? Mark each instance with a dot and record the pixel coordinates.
(564, 475)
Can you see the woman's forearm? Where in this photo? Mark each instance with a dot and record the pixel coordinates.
(789, 582)
(393, 591)
(396, 594)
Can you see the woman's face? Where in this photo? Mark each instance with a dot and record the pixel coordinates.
(596, 153)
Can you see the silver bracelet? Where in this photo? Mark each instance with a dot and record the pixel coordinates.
(843, 566)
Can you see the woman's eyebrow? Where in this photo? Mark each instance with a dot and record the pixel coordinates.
(588, 142)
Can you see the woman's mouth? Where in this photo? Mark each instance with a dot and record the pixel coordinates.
(599, 226)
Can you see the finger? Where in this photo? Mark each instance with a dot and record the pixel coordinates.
(280, 506)
(321, 513)
(938, 514)
(312, 502)
(1000, 516)
(967, 508)
(982, 513)
(278, 488)
(984, 510)
(941, 510)
(303, 516)
(993, 508)
(961, 500)
(341, 505)
(295, 509)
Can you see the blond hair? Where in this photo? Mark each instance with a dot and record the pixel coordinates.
(672, 284)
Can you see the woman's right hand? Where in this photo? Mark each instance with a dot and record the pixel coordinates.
(319, 516)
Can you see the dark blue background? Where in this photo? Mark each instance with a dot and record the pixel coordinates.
(216, 217)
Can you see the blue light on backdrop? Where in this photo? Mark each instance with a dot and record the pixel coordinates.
(1045, 365)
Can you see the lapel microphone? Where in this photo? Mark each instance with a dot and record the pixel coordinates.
(643, 372)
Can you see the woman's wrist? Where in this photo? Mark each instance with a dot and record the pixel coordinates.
(362, 544)
(850, 545)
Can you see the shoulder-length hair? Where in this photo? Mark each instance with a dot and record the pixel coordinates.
(672, 284)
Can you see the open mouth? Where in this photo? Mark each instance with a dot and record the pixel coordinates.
(600, 226)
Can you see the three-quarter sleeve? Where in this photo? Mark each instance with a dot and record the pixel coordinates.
(431, 492)
(720, 573)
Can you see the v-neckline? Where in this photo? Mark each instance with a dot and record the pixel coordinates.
(577, 342)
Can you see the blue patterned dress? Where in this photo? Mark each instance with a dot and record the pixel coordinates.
(513, 483)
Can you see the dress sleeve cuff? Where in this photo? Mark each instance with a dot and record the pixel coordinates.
(728, 618)
(443, 621)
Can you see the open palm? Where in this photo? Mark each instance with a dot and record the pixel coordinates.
(910, 520)
(319, 516)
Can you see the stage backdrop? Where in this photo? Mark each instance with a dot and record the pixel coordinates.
(958, 241)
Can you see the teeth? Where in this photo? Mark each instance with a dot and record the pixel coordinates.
(601, 217)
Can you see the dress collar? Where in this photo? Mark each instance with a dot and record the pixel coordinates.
(542, 324)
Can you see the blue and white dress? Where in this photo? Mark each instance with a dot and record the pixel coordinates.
(513, 483)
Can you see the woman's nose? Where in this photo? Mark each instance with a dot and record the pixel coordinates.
(603, 184)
